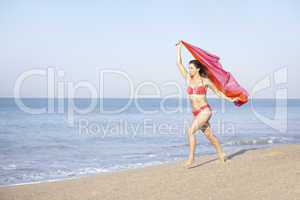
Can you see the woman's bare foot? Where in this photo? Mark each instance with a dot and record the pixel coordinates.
(222, 157)
(189, 162)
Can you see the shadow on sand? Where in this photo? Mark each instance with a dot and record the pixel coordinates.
(229, 157)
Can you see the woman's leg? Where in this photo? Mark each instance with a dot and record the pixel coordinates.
(198, 122)
(206, 129)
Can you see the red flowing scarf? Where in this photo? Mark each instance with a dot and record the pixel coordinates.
(222, 79)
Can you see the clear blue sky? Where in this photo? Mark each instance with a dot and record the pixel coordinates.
(253, 39)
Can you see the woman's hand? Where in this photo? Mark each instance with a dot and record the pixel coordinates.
(179, 43)
(235, 99)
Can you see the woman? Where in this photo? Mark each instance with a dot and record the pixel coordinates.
(198, 82)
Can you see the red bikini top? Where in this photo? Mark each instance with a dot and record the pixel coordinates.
(197, 90)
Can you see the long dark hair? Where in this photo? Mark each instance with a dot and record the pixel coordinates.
(202, 68)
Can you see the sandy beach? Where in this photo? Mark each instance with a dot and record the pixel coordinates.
(270, 173)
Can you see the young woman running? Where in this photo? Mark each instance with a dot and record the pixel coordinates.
(198, 82)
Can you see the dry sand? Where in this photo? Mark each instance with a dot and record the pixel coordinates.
(272, 173)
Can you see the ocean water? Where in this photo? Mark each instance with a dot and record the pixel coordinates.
(66, 141)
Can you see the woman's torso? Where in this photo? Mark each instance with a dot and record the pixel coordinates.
(197, 92)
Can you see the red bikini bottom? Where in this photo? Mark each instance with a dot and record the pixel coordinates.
(196, 112)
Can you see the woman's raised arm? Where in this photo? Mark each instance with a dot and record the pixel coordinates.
(181, 68)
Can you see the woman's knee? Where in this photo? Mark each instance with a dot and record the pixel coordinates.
(209, 135)
(207, 132)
